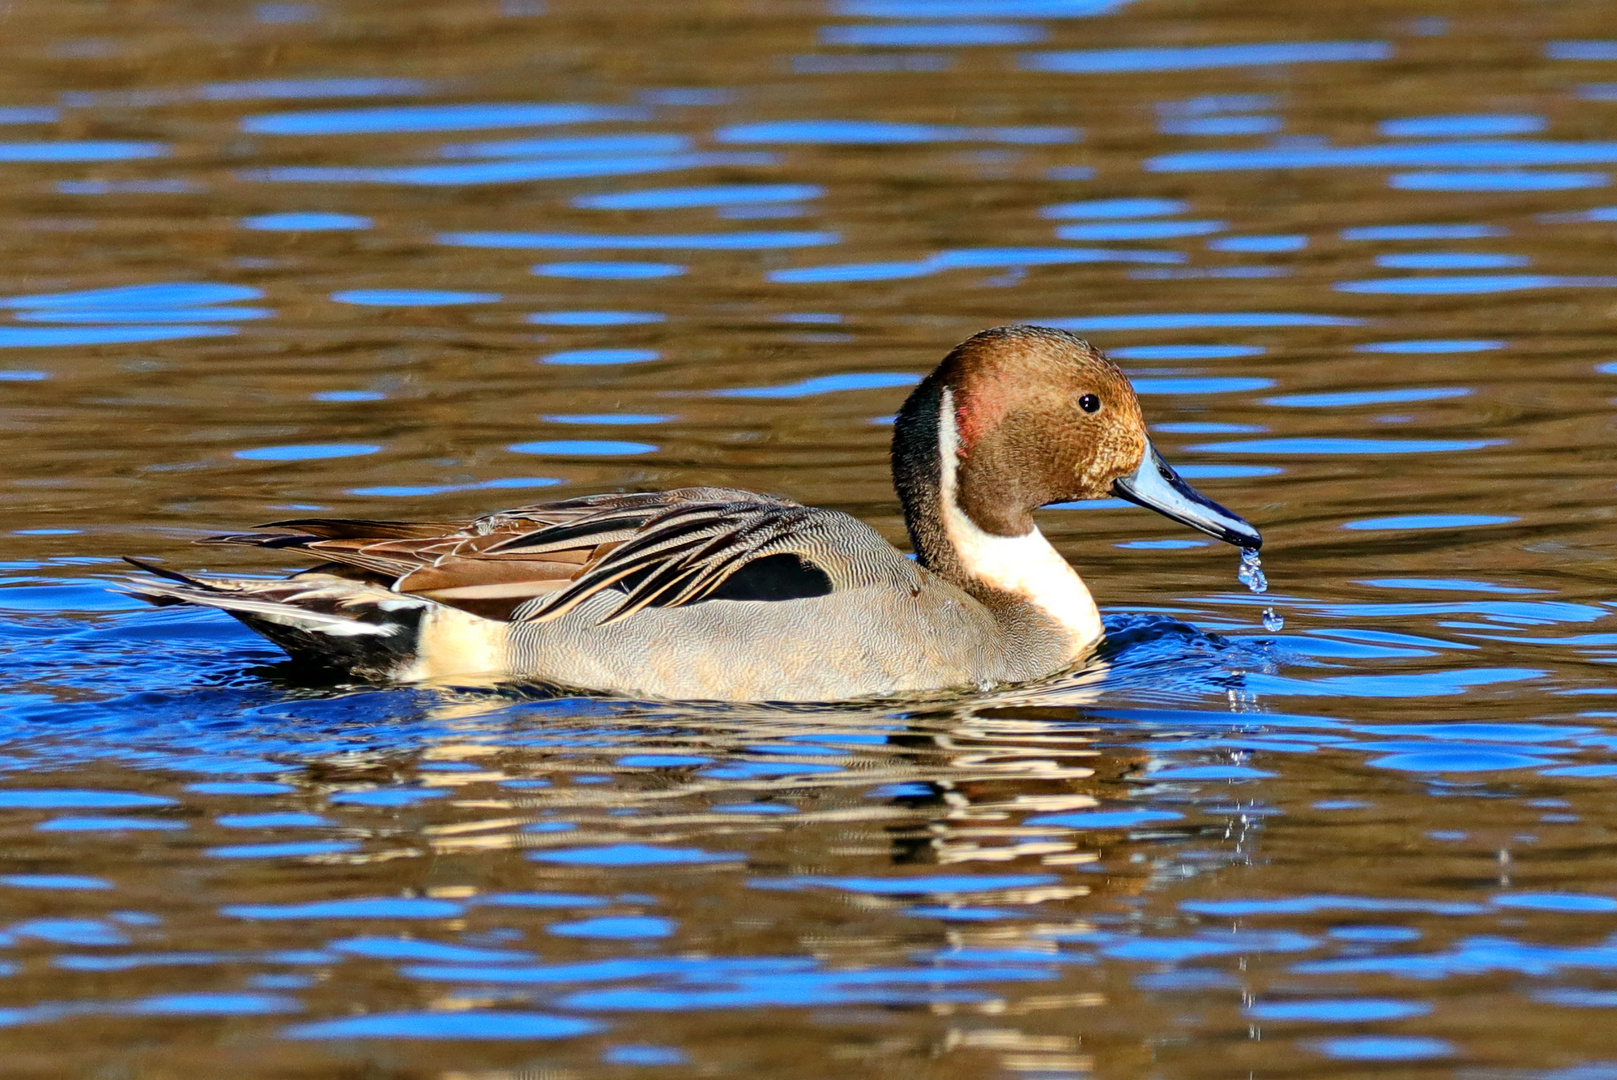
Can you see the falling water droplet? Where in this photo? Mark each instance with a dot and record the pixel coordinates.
(1251, 575)
(1251, 571)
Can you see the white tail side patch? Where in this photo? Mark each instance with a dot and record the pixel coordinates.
(1026, 565)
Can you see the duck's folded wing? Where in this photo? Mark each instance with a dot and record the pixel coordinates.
(690, 553)
(540, 562)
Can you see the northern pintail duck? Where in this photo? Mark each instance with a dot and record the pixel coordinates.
(714, 593)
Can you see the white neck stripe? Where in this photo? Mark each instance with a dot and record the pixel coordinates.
(1025, 566)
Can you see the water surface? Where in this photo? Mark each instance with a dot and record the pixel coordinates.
(349, 258)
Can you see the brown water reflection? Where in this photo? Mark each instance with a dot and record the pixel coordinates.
(1376, 842)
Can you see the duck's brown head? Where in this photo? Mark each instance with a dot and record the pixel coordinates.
(1019, 417)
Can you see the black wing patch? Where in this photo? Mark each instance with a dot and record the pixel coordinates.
(786, 576)
(683, 555)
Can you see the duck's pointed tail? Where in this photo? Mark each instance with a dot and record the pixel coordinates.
(317, 618)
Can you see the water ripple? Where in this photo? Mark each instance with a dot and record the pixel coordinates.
(402, 118)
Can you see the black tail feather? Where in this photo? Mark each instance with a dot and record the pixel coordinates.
(263, 540)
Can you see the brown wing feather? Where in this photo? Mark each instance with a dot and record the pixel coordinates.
(683, 544)
(454, 573)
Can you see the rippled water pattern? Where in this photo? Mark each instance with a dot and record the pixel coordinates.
(265, 260)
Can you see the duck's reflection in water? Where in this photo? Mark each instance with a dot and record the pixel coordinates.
(907, 856)
(968, 783)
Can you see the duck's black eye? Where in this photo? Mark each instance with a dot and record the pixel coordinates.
(1089, 403)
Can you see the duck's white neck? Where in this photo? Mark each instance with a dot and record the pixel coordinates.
(1025, 566)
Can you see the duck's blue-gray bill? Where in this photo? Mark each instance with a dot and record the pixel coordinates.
(1156, 486)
